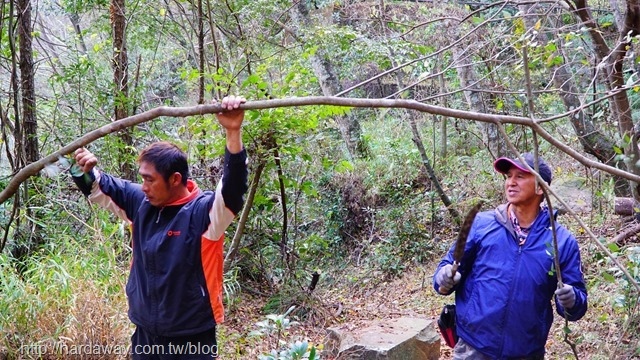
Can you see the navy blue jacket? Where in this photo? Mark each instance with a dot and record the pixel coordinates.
(175, 283)
(503, 300)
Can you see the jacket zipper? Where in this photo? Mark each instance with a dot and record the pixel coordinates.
(159, 213)
(154, 295)
(517, 266)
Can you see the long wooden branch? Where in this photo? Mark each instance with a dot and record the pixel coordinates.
(35, 167)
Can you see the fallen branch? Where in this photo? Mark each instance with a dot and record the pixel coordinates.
(35, 167)
(627, 233)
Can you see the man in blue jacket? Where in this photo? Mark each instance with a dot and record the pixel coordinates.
(506, 280)
(175, 283)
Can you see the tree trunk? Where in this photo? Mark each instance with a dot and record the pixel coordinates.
(120, 64)
(593, 141)
(469, 83)
(429, 169)
(201, 53)
(248, 204)
(30, 125)
(613, 67)
(75, 21)
(443, 119)
(26, 236)
(348, 124)
(417, 139)
(617, 6)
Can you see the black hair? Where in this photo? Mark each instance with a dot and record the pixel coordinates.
(167, 158)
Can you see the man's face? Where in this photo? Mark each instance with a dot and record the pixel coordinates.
(155, 187)
(520, 188)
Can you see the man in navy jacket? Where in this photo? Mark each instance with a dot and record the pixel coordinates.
(506, 281)
(175, 284)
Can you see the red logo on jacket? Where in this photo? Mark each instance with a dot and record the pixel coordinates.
(173, 233)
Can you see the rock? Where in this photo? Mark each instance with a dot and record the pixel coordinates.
(575, 193)
(397, 339)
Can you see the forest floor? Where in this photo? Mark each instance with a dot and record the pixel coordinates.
(604, 333)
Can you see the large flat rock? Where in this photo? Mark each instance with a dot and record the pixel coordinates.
(403, 338)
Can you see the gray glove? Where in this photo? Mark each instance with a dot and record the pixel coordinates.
(566, 296)
(445, 280)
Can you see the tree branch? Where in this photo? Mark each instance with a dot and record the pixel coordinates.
(35, 167)
(235, 243)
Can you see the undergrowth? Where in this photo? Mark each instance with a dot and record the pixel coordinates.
(67, 298)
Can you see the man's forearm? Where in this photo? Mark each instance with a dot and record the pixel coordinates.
(234, 141)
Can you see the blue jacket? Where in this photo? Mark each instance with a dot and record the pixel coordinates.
(175, 283)
(503, 300)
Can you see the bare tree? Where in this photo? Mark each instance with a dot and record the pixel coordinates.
(120, 64)
(27, 70)
(25, 132)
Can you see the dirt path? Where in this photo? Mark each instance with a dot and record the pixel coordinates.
(365, 297)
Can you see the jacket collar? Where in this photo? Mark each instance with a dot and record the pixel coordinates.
(501, 215)
(503, 218)
(194, 191)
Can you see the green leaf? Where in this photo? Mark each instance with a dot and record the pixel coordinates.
(518, 104)
(344, 166)
(422, 49)
(554, 61)
(618, 150)
(550, 47)
(253, 79)
(477, 20)
(299, 349)
(608, 277)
